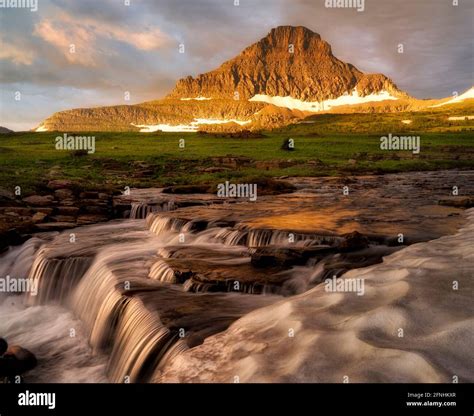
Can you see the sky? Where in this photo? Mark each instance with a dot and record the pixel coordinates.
(84, 53)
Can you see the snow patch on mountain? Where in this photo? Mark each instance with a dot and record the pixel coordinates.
(183, 128)
(317, 106)
(196, 98)
(468, 94)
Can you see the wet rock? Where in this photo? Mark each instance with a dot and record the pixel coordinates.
(92, 202)
(11, 237)
(16, 210)
(63, 218)
(282, 257)
(63, 194)
(67, 210)
(91, 219)
(354, 241)
(39, 217)
(88, 195)
(268, 186)
(68, 202)
(44, 210)
(198, 225)
(7, 199)
(186, 189)
(39, 200)
(16, 361)
(56, 184)
(458, 202)
(54, 226)
(96, 209)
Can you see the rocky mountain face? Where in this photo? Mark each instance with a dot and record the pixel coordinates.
(172, 112)
(289, 61)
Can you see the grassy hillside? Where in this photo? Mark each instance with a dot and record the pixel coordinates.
(29, 160)
(333, 144)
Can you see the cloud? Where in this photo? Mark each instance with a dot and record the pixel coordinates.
(79, 40)
(75, 43)
(135, 48)
(15, 53)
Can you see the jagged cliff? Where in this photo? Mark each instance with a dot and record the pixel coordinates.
(289, 61)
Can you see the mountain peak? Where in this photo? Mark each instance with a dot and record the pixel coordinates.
(290, 61)
(300, 38)
(295, 32)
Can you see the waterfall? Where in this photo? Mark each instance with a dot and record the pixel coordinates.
(55, 278)
(196, 286)
(211, 232)
(17, 261)
(268, 237)
(162, 272)
(140, 210)
(159, 224)
(139, 343)
(108, 301)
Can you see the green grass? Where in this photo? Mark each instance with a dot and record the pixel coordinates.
(29, 160)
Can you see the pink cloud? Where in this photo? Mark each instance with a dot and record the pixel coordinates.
(15, 53)
(64, 31)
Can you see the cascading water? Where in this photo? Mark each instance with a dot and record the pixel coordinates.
(140, 210)
(162, 272)
(55, 278)
(106, 276)
(137, 293)
(127, 297)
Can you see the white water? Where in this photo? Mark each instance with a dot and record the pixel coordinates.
(130, 307)
(46, 329)
(338, 335)
(89, 287)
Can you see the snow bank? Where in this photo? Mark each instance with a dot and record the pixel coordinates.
(196, 98)
(315, 106)
(460, 118)
(468, 94)
(192, 127)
